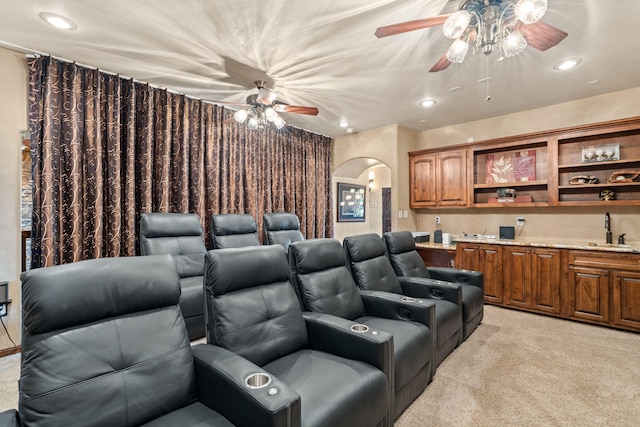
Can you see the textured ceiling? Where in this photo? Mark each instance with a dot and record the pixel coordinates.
(324, 54)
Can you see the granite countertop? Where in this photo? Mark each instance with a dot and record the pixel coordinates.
(538, 244)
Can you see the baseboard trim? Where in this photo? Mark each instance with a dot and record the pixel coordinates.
(9, 351)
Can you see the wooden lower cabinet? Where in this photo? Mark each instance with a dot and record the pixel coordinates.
(626, 299)
(437, 257)
(485, 258)
(589, 294)
(532, 278)
(589, 286)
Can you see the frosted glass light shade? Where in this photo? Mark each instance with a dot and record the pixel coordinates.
(513, 44)
(530, 11)
(253, 123)
(240, 116)
(279, 122)
(455, 24)
(457, 51)
(270, 114)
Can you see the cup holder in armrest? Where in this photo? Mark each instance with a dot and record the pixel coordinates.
(257, 380)
(408, 299)
(359, 328)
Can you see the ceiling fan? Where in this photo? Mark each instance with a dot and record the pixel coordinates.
(261, 109)
(506, 25)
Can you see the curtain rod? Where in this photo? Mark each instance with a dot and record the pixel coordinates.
(30, 53)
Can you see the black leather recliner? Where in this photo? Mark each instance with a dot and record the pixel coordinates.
(233, 231)
(372, 270)
(281, 228)
(104, 344)
(406, 261)
(342, 376)
(179, 235)
(324, 284)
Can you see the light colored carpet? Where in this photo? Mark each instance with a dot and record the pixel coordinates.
(516, 369)
(530, 370)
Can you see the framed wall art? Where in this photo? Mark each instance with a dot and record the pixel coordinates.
(351, 202)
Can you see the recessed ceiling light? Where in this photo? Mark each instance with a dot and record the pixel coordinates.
(426, 103)
(349, 130)
(567, 64)
(343, 124)
(58, 21)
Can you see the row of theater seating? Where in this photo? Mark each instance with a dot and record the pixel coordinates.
(334, 335)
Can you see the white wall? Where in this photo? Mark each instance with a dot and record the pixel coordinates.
(13, 120)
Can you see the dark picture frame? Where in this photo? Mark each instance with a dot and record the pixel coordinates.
(352, 202)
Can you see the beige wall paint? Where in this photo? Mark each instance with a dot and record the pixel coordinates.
(390, 145)
(574, 224)
(610, 106)
(13, 120)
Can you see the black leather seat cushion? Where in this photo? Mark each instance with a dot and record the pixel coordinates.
(194, 415)
(350, 390)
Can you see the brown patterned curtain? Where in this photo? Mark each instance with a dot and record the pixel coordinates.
(105, 149)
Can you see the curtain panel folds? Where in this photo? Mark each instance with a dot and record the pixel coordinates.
(106, 149)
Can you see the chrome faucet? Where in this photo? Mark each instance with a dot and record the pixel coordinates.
(607, 226)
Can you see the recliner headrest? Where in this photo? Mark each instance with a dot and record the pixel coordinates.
(364, 246)
(280, 221)
(158, 224)
(398, 242)
(233, 269)
(316, 255)
(229, 224)
(91, 290)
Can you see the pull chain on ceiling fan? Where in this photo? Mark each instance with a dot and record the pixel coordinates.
(487, 25)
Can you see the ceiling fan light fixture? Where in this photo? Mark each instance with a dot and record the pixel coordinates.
(253, 123)
(513, 44)
(530, 11)
(271, 114)
(279, 122)
(456, 24)
(241, 116)
(457, 51)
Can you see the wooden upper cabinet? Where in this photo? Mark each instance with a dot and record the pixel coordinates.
(438, 179)
(422, 170)
(451, 178)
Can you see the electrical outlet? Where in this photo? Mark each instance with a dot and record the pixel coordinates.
(3, 310)
(519, 221)
(437, 220)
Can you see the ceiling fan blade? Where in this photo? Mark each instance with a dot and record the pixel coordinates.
(405, 27)
(297, 109)
(541, 35)
(441, 64)
(266, 97)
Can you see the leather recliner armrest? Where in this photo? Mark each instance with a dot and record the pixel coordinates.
(418, 287)
(9, 418)
(220, 377)
(399, 307)
(334, 335)
(463, 277)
